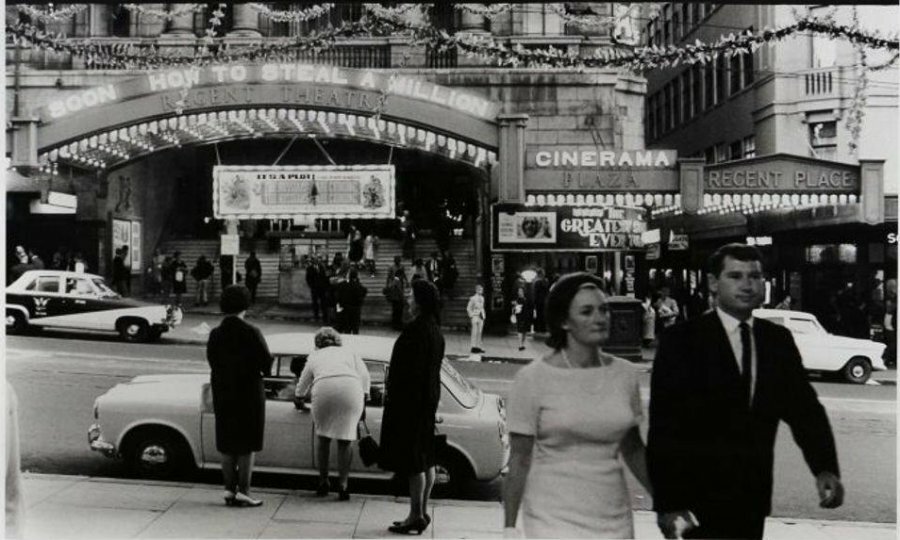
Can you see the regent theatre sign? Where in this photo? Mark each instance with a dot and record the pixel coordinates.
(568, 228)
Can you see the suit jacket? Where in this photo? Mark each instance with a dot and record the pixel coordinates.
(707, 449)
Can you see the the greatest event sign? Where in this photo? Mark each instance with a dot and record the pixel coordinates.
(567, 228)
(321, 191)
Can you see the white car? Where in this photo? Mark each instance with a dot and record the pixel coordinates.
(851, 358)
(73, 300)
(164, 424)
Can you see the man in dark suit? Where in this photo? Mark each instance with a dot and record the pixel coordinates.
(721, 382)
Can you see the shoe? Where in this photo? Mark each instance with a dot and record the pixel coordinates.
(343, 494)
(479, 350)
(229, 497)
(427, 520)
(415, 526)
(475, 350)
(242, 499)
(323, 489)
(521, 348)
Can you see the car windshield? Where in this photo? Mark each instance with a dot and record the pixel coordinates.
(103, 288)
(464, 391)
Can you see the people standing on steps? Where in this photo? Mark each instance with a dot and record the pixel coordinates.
(433, 266)
(355, 245)
(407, 235)
(238, 358)
(476, 313)
(253, 270)
(317, 280)
(395, 291)
(202, 272)
(449, 274)
(370, 244)
(179, 277)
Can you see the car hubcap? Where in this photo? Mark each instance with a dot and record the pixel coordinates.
(133, 329)
(858, 371)
(10, 320)
(154, 456)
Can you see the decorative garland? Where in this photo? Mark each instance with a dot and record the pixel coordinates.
(215, 21)
(161, 14)
(857, 112)
(589, 20)
(306, 14)
(51, 15)
(391, 13)
(485, 10)
(127, 56)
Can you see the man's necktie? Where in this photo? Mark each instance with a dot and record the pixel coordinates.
(746, 359)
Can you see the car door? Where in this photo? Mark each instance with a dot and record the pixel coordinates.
(289, 435)
(46, 301)
(82, 302)
(813, 343)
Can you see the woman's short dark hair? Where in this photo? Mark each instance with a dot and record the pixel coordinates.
(741, 252)
(235, 299)
(558, 300)
(427, 297)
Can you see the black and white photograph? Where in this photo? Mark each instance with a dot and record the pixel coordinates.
(451, 270)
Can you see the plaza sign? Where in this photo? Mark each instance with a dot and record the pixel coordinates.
(318, 191)
(292, 75)
(581, 228)
(589, 169)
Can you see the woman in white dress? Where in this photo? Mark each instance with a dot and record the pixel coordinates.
(340, 382)
(572, 415)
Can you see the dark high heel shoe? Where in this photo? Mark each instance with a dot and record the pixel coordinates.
(343, 494)
(323, 489)
(415, 526)
(229, 497)
(427, 520)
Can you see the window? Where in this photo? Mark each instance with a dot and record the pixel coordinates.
(721, 80)
(823, 139)
(667, 108)
(659, 113)
(735, 150)
(803, 326)
(459, 386)
(651, 117)
(78, 287)
(777, 320)
(676, 101)
(48, 284)
(734, 70)
(651, 30)
(709, 85)
(667, 25)
(695, 14)
(697, 89)
(750, 146)
(710, 154)
(676, 23)
(685, 96)
(377, 378)
(120, 21)
(748, 66)
(721, 152)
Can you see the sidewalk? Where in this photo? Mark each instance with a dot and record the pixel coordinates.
(272, 318)
(63, 507)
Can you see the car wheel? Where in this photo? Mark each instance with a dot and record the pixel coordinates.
(134, 330)
(157, 454)
(452, 474)
(15, 322)
(857, 370)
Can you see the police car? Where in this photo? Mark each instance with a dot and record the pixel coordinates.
(71, 300)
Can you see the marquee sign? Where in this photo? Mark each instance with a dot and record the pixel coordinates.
(590, 169)
(782, 173)
(318, 191)
(299, 83)
(567, 228)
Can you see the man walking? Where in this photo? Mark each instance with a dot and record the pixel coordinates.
(202, 272)
(119, 272)
(721, 383)
(315, 276)
(475, 310)
(254, 275)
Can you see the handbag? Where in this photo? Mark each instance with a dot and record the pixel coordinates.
(368, 447)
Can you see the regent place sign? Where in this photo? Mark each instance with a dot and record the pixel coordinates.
(233, 84)
(782, 173)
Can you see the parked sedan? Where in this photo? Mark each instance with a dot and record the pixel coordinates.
(73, 300)
(851, 358)
(162, 424)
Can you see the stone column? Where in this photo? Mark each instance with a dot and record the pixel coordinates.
(246, 21)
(180, 25)
(512, 158)
(148, 26)
(472, 23)
(99, 20)
(871, 172)
(690, 173)
(24, 142)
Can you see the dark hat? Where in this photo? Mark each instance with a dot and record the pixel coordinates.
(427, 297)
(235, 299)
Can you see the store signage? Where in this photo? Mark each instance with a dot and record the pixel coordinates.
(782, 173)
(651, 236)
(582, 228)
(322, 191)
(321, 83)
(677, 242)
(653, 252)
(585, 168)
(231, 244)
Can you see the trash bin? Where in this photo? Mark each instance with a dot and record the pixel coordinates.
(626, 328)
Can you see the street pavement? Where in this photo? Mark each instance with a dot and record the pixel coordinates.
(64, 507)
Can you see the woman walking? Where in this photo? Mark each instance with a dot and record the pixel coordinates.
(238, 359)
(523, 313)
(340, 382)
(571, 415)
(413, 391)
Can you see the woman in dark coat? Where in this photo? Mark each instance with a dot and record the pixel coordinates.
(238, 359)
(413, 390)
